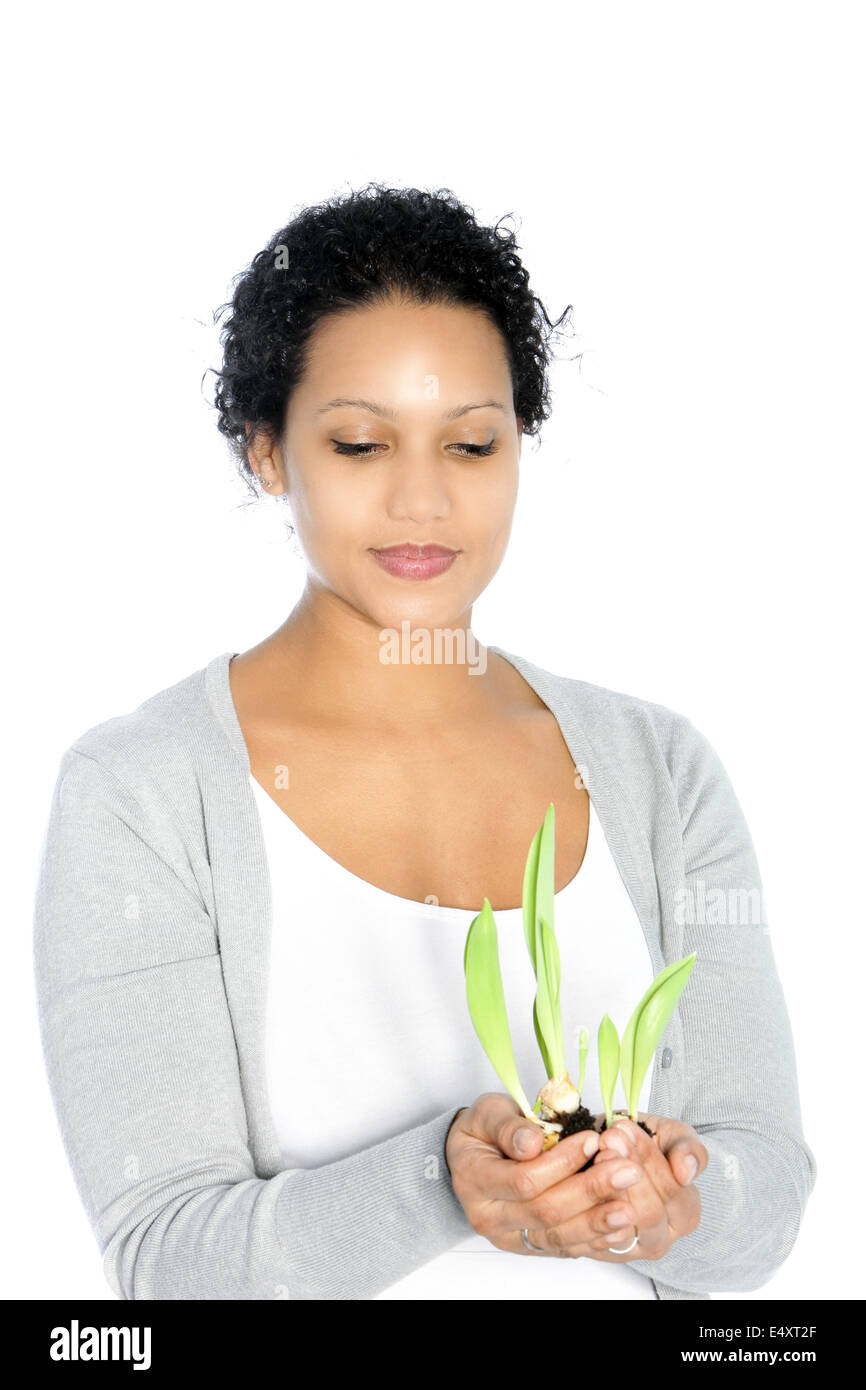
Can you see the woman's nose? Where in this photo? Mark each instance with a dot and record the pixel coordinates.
(417, 489)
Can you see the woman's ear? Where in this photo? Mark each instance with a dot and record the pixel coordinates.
(264, 457)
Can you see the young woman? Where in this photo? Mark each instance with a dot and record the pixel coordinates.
(256, 887)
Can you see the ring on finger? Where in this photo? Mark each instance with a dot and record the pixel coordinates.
(524, 1236)
(627, 1248)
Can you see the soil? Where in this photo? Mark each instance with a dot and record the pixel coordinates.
(578, 1119)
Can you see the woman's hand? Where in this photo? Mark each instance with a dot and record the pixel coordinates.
(666, 1203)
(503, 1189)
(568, 1213)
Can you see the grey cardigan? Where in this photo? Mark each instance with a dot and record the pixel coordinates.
(151, 936)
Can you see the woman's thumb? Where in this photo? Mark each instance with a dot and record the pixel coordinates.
(520, 1139)
(684, 1163)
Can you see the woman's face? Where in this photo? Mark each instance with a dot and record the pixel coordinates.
(423, 389)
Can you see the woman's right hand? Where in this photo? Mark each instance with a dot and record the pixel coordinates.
(502, 1194)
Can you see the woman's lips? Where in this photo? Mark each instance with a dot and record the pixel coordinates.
(415, 561)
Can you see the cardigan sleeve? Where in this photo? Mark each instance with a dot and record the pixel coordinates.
(143, 1071)
(740, 1079)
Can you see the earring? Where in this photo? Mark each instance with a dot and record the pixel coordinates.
(262, 481)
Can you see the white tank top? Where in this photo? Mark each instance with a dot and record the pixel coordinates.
(370, 987)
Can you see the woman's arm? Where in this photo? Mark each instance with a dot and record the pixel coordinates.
(143, 1070)
(740, 1089)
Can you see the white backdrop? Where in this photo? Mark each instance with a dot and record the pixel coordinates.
(689, 177)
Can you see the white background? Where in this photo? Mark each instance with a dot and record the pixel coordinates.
(690, 178)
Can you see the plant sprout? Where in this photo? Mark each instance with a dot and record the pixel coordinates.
(530, 919)
(559, 1096)
(646, 1025)
(485, 997)
(486, 1000)
(608, 1065)
(583, 1049)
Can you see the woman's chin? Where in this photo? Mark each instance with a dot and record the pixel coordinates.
(419, 610)
(427, 629)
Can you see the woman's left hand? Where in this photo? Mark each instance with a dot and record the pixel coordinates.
(665, 1203)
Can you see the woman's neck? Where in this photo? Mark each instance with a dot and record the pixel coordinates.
(330, 664)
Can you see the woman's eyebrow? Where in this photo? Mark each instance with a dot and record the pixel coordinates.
(377, 409)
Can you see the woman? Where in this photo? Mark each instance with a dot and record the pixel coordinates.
(256, 887)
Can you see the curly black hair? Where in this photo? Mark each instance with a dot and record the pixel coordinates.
(357, 249)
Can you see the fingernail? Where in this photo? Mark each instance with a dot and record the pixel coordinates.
(617, 1141)
(691, 1167)
(523, 1140)
(625, 1177)
(590, 1145)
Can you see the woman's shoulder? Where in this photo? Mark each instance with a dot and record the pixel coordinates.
(653, 749)
(162, 738)
(618, 718)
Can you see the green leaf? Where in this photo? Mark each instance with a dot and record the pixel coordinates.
(539, 1038)
(547, 996)
(544, 882)
(608, 1064)
(583, 1045)
(648, 1023)
(538, 884)
(486, 1000)
(538, 895)
(530, 875)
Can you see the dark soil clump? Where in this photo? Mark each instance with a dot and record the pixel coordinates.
(573, 1123)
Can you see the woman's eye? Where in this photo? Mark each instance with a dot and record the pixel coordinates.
(364, 450)
(476, 450)
(356, 450)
